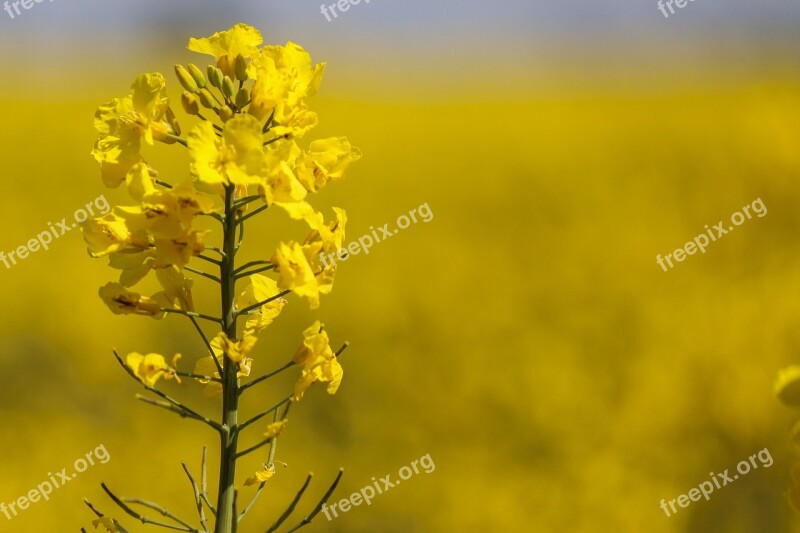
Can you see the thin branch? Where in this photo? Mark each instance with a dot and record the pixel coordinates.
(253, 448)
(241, 202)
(265, 377)
(144, 519)
(252, 213)
(208, 344)
(268, 123)
(307, 520)
(177, 139)
(201, 273)
(250, 264)
(256, 271)
(163, 184)
(289, 510)
(211, 259)
(101, 515)
(191, 314)
(249, 308)
(185, 411)
(198, 502)
(163, 510)
(197, 376)
(274, 139)
(204, 482)
(265, 413)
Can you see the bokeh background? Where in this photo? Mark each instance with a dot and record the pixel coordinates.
(525, 337)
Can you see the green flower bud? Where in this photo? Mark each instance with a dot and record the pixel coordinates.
(240, 67)
(207, 99)
(190, 103)
(227, 87)
(186, 79)
(197, 75)
(242, 98)
(215, 76)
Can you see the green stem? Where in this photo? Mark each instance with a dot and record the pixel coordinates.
(226, 512)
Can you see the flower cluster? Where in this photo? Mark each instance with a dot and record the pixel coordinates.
(249, 116)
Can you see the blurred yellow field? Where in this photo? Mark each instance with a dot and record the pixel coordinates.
(524, 337)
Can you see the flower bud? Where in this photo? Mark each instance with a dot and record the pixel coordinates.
(225, 113)
(240, 68)
(172, 120)
(207, 99)
(186, 79)
(242, 98)
(215, 76)
(227, 87)
(190, 103)
(197, 75)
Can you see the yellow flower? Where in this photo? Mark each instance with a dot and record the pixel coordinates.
(177, 293)
(330, 234)
(106, 235)
(236, 351)
(151, 367)
(140, 181)
(109, 523)
(318, 360)
(206, 367)
(299, 270)
(134, 265)
(179, 250)
(284, 77)
(787, 386)
(241, 39)
(259, 289)
(275, 429)
(281, 185)
(123, 122)
(124, 302)
(326, 160)
(261, 476)
(237, 157)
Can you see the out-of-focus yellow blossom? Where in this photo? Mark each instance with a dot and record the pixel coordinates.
(787, 386)
(237, 157)
(123, 122)
(170, 213)
(152, 367)
(275, 429)
(241, 39)
(177, 293)
(326, 160)
(121, 301)
(108, 523)
(318, 360)
(236, 351)
(299, 270)
(260, 288)
(261, 476)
